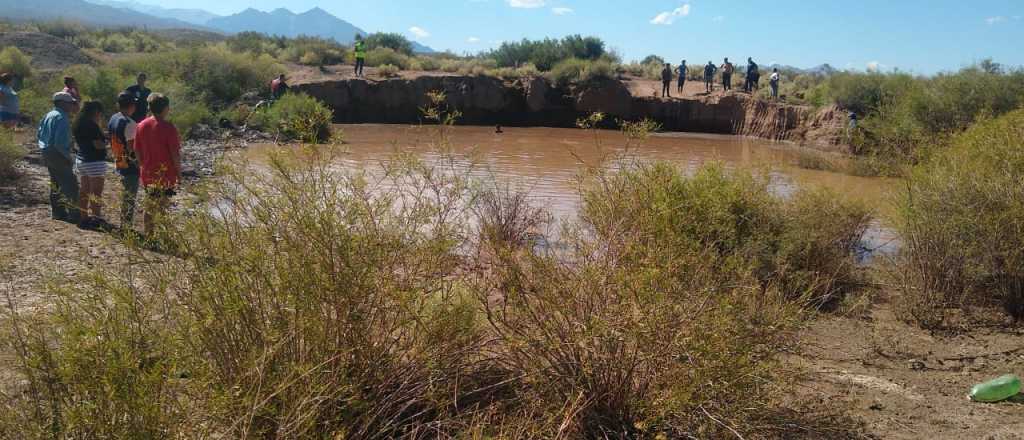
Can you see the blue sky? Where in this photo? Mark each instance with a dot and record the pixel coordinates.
(921, 36)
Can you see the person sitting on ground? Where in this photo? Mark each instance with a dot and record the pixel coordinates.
(727, 69)
(10, 106)
(278, 87)
(122, 144)
(360, 49)
(158, 148)
(92, 163)
(666, 81)
(71, 88)
(709, 76)
(753, 76)
(141, 94)
(773, 81)
(55, 143)
(682, 78)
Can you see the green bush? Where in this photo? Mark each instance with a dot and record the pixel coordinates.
(959, 219)
(425, 63)
(393, 41)
(381, 56)
(15, 62)
(10, 154)
(296, 116)
(545, 54)
(805, 244)
(388, 71)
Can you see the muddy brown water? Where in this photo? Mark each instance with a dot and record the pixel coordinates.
(546, 161)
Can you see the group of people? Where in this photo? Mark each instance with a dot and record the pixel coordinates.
(727, 68)
(76, 143)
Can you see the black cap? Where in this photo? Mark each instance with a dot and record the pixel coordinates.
(125, 98)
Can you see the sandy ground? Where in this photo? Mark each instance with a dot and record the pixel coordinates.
(898, 381)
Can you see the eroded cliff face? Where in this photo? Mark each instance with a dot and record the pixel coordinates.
(537, 102)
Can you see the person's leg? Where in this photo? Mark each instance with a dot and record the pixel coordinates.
(84, 196)
(63, 187)
(130, 182)
(96, 203)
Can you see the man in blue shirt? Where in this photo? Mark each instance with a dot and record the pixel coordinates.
(55, 143)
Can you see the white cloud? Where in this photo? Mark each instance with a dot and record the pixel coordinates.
(562, 11)
(473, 40)
(669, 17)
(527, 4)
(419, 32)
(875, 66)
(995, 20)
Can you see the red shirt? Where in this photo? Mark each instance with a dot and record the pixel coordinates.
(158, 144)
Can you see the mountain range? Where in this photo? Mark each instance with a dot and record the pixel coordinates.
(122, 13)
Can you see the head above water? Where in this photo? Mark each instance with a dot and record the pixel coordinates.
(160, 105)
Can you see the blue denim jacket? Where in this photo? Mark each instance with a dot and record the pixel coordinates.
(55, 132)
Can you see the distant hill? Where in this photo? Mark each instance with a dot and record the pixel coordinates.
(194, 16)
(314, 22)
(85, 13)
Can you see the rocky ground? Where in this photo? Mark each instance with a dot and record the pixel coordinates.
(898, 381)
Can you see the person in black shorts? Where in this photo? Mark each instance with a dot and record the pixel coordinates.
(682, 78)
(709, 76)
(666, 81)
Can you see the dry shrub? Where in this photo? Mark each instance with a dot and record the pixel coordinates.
(10, 154)
(962, 221)
(805, 244)
(506, 217)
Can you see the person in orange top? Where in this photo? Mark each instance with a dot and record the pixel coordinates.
(158, 149)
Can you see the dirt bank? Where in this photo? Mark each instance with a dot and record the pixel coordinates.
(48, 53)
(538, 102)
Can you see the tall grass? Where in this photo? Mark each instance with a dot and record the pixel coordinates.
(960, 218)
(10, 154)
(311, 303)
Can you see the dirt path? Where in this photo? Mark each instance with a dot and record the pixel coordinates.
(905, 383)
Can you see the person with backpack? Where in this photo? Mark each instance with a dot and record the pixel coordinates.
(666, 81)
(709, 76)
(682, 78)
(122, 144)
(727, 69)
(753, 76)
(773, 81)
(360, 49)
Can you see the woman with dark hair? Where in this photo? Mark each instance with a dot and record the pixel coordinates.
(92, 162)
(9, 106)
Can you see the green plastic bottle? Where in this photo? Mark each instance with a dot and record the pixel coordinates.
(995, 390)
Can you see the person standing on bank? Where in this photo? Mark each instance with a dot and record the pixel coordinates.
(141, 94)
(55, 143)
(753, 76)
(773, 81)
(10, 106)
(71, 88)
(727, 69)
(360, 49)
(92, 163)
(666, 81)
(122, 144)
(158, 148)
(682, 78)
(709, 76)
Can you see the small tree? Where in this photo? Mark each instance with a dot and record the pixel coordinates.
(15, 62)
(395, 42)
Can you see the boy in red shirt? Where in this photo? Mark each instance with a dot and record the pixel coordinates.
(158, 149)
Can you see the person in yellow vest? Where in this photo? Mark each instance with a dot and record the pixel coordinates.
(360, 49)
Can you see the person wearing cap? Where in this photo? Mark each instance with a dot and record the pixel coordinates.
(55, 143)
(9, 104)
(141, 94)
(71, 88)
(158, 148)
(122, 144)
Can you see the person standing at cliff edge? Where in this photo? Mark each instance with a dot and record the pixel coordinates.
(682, 78)
(753, 76)
(709, 76)
(727, 69)
(360, 49)
(666, 81)
(773, 81)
